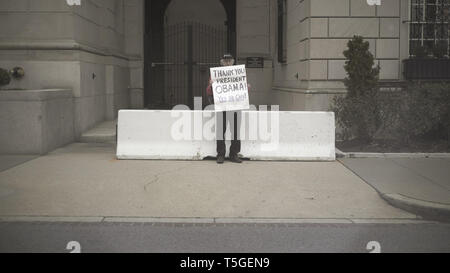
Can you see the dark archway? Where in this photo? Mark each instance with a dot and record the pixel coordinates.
(155, 49)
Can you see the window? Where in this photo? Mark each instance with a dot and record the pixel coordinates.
(429, 25)
(282, 31)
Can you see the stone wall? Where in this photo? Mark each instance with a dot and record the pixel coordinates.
(35, 121)
(97, 49)
(318, 32)
(255, 33)
(94, 49)
(134, 49)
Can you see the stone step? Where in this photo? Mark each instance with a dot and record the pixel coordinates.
(105, 132)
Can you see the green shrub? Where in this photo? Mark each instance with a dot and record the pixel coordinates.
(444, 109)
(358, 113)
(362, 76)
(5, 78)
(358, 117)
(424, 110)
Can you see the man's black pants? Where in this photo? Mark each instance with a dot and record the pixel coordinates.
(222, 120)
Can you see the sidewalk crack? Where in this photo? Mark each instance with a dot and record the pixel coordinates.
(156, 176)
(153, 181)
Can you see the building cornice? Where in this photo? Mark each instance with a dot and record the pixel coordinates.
(310, 91)
(64, 45)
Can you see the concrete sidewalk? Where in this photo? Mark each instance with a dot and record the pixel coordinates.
(85, 180)
(10, 161)
(418, 185)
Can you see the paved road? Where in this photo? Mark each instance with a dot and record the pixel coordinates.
(235, 238)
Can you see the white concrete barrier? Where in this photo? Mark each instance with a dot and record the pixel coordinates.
(190, 135)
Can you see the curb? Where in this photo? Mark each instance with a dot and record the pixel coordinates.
(341, 154)
(117, 219)
(426, 209)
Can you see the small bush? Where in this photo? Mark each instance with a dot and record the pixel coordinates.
(5, 78)
(443, 109)
(358, 117)
(420, 111)
(358, 113)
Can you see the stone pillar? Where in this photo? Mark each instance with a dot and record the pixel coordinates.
(254, 26)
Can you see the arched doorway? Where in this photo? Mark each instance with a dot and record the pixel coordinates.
(183, 40)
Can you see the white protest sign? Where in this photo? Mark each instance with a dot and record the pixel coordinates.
(230, 88)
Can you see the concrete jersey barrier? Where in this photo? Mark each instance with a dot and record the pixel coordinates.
(190, 135)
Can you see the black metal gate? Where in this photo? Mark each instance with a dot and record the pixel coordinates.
(189, 50)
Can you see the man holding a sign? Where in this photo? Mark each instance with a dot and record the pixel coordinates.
(228, 90)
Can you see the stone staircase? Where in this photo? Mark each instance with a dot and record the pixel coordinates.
(105, 132)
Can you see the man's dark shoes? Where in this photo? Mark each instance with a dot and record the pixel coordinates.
(220, 159)
(235, 159)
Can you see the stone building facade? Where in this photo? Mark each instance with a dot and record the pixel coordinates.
(317, 34)
(102, 49)
(94, 49)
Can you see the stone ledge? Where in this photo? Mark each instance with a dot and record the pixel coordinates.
(310, 91)
(35, 122)
(63, 45)
(392, 155)
(34, 95)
